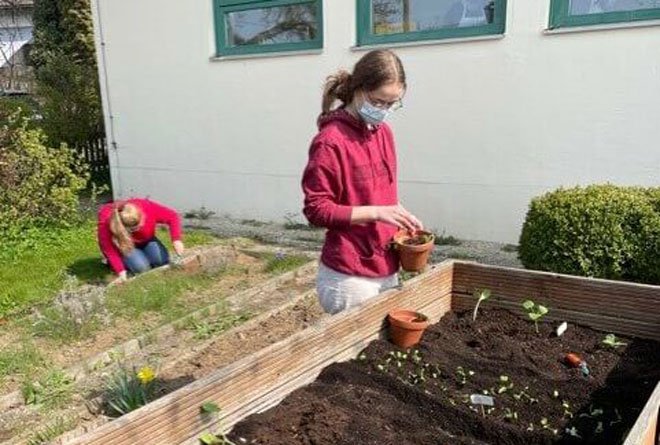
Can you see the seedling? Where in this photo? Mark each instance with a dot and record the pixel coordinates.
(573, 432)
(462, 375)
(510, 416)
(567, 409)
(612, 341)
(505, 384)
(546, 426)
(209, 408)
(535, 312)
(212, 439)
(482, 295)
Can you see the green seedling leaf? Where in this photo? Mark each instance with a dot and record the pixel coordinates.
(612, 341)
(209, 439)
(535, 312)
(482, 295)
(573, 432)
(210, 408)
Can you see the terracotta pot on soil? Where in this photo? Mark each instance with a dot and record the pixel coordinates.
(414, 249)
(406, 327)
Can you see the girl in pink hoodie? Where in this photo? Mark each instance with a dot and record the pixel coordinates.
(127, 235)
(350, 182)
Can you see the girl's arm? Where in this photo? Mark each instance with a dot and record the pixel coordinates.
(166, 215)
(108, 247)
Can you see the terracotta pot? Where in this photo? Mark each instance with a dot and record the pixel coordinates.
(406, 327)
(413, 257)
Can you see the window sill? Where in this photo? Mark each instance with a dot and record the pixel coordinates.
(602, 27)
(304, 52)
(429, 42)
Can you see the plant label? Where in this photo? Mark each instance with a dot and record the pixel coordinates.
(561, 329)
(478, 399)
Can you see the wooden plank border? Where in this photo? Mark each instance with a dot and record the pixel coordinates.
(614, 306)
(263, 379)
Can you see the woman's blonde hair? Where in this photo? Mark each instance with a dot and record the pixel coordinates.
(124, 216)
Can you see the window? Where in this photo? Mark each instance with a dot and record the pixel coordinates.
(250, 27)
(566, 13)
(390, 21)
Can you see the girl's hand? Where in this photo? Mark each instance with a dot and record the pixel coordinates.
(398, 216)
(122, 277)
(178, 247)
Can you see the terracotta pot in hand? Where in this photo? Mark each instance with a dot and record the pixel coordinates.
(414, 249)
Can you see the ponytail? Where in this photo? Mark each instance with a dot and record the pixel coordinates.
(337, 87)
(120, 234)
(376, 68)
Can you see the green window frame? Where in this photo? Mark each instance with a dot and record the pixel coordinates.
(560, 16)
(224, 48)
(366, 37)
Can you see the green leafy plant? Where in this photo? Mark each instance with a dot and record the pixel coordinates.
(446, 240)
(612, 341)
(129, 390)
(482, 295)
(39, 183)
(201, 213)
(209, 408)
(505, 384)
(462, 375)
(207, 438)
(282, 262)
(52, 390)
(535, 312)
(52, 430)
(602, 231)
(212, 439)
(510, 416)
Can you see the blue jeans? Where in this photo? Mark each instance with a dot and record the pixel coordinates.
(146, 256)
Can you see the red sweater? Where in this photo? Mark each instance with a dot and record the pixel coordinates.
(154, 213)
(349, 165)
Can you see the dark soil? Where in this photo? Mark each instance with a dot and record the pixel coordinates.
(423, 398)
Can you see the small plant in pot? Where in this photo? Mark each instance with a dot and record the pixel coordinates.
(414, 248)
(406, 327)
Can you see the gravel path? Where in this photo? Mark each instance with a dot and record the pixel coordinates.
(302, 237)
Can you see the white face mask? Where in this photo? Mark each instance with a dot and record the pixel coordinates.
(373, 115)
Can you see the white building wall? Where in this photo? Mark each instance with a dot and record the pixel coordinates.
(486, 125)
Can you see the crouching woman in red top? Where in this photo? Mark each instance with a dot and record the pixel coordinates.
(350, 182)
(127, 235)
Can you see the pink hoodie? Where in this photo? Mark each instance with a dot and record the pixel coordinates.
(154, 213)
(351, 164)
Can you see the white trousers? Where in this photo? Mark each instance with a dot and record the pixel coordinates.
(338, 292)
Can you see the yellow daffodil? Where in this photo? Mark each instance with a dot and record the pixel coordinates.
(146, 375)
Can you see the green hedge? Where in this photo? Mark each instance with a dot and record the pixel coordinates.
(601, 231)
(39, 184)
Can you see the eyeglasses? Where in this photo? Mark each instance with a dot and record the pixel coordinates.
(384, 105)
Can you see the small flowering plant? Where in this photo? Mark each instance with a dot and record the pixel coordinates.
(129, 390)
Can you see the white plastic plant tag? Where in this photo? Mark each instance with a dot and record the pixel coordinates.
(478, 399)
(561, 329)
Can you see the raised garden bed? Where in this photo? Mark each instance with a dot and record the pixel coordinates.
(262, 380)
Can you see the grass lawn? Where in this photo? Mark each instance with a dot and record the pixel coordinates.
(35, 274)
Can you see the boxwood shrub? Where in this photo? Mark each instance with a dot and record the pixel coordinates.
(602, 231)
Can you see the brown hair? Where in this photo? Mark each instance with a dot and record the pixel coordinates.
(373, 70)
(124, 215)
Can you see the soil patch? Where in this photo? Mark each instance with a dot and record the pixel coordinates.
(422, 396)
